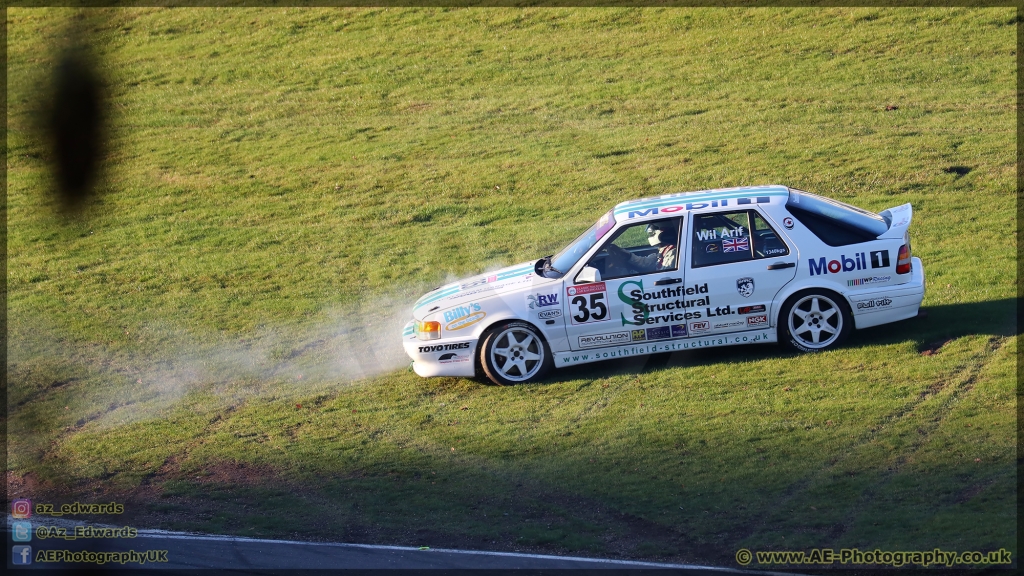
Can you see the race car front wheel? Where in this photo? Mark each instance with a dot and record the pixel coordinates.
(813, 321)
(515, 353)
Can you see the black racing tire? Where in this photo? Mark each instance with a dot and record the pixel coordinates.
(814, 321)
(515, 353)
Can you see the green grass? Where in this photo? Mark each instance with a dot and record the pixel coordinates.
(283, 183)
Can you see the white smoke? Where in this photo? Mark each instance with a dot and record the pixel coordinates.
(338, 348)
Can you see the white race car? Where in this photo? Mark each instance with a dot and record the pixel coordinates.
(677, 272)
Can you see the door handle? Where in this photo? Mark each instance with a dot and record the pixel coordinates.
(664, 281)
(781, 265)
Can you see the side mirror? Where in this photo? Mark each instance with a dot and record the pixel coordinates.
(587, 275)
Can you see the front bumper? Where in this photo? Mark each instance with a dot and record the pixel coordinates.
(443, 357)
(890, 303)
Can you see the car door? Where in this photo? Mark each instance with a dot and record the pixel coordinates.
(633, 300)
(742, 263)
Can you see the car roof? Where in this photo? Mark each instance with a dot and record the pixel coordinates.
(669, 204)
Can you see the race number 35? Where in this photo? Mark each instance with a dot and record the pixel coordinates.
(587, 303)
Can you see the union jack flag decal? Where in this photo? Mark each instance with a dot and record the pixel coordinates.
(735, 245)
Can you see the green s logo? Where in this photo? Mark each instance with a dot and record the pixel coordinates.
(636, 304)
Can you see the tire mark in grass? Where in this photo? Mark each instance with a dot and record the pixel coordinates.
(966, 375)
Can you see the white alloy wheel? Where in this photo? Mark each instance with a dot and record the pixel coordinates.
(515, 353)
(816, 322)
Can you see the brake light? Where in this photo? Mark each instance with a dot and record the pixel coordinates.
(428, 330)
(903, 262)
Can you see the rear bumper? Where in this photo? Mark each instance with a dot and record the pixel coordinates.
(890, 303)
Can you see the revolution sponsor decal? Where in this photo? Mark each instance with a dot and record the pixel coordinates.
(874, 304)
(859, 261)
(660, 306)
(745, 286)
(868, 280)
(605, 339)
(655, 347)
(541, 300)
(750, 309)
(442, 347)
(759, 320)
(548, 314)
(463, 317)
(588, 303)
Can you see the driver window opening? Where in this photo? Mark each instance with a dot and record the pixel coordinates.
(639, 249)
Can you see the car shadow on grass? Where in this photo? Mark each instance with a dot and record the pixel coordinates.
(930, 330)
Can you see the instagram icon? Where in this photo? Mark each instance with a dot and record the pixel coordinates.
(21, 508)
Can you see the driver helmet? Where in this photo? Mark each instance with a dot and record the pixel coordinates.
(660, 233)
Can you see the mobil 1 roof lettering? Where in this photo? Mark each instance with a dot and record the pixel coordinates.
(697, 201)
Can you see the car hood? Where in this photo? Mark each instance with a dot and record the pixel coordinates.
(476, 287)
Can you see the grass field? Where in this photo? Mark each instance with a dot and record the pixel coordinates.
(216, 341)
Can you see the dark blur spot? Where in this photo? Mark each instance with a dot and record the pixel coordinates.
(958, 170)
(75, 121)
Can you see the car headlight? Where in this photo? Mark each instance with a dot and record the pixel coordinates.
(428, 330)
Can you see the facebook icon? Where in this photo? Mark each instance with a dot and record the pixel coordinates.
(22, 555)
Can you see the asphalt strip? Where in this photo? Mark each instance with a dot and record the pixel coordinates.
(252, 553)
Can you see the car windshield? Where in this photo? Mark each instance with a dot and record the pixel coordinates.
(572, 253)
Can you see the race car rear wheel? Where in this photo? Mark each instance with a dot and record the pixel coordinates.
(515, 353)
(813, 321)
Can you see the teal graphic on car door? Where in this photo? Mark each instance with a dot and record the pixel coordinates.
(638, 294)
(744, 263)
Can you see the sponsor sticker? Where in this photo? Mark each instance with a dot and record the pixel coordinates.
(585, 288)
(745, 286)
(859, 261)
(874, 304)
(452, 358)
(639, 335)
(868, 280)
(711, 248)
(759, 320)
(541, 300)
(604, 339)
(679, 330)
(659, 333)
(788, 223)
(443, 347)
(729, 324)
(698, 327)
(463, 316)
(750, 309)
(548, 314)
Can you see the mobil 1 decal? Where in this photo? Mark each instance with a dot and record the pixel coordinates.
(661, 305)
(858, 261)
(588, 303)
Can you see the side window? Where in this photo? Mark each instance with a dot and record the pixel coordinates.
(767, 243)
(721, 238)
(639, 249)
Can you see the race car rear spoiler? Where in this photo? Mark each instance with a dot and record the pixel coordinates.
(899, 220)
